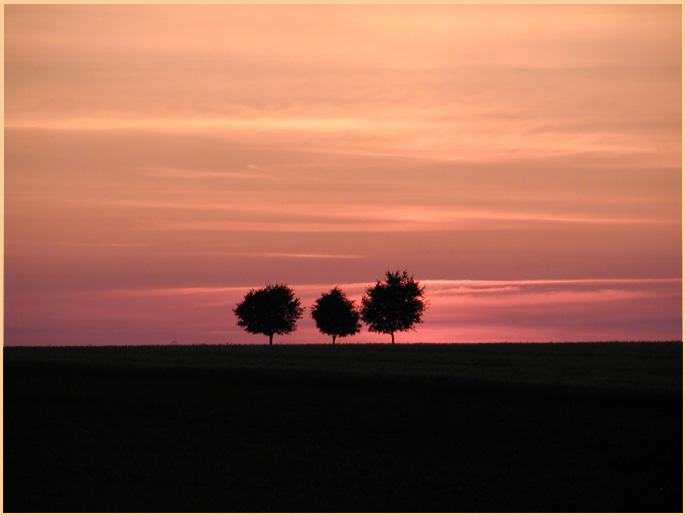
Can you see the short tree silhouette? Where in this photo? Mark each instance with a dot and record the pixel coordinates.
(394, 305)
(270, 310)
(336, 315)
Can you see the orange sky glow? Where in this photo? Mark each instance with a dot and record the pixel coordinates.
(522, 161)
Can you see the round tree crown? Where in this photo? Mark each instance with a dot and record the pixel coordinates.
(394, 305)
(270, 310)
(335, 314)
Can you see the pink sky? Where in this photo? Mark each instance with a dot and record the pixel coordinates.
(524, 162)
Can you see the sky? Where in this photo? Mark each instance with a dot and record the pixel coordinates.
(523, 162)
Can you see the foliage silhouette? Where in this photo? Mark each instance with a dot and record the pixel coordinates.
(270, 310)
(394, 305)
(336, 315)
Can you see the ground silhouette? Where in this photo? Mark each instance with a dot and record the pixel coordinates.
(586, 427)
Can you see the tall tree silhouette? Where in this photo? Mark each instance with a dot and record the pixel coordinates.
(394, 305)
(270, 310)
(336, 315)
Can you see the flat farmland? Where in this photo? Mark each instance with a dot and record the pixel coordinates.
(564, 427)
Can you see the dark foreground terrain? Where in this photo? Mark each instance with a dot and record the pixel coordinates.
(593, 427)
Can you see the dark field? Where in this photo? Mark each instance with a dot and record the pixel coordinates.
(592, 427)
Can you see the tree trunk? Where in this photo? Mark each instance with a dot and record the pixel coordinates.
(271, 338)
(334, 340)
(392, 338)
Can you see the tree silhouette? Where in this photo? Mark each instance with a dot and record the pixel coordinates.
(394, 305)
(270, 310)
(336, 315)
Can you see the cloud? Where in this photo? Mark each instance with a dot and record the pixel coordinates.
(476, 284)
(102, 244)
(194, 174)
(394, 82)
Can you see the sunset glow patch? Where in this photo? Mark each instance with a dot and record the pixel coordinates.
(460, 311)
